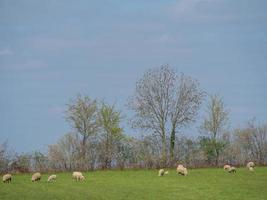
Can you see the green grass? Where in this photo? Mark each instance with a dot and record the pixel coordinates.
(143, 184)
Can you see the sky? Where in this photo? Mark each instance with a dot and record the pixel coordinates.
(50, 51)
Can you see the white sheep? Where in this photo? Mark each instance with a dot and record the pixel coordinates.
(78, 176)
(181, 170)
(7, 178)
(232, 170)
(81, 178)
(250, 164)
(226, 167)
(161, 172)
(36, 177)
(53, 177)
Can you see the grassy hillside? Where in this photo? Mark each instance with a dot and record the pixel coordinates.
(143, 184)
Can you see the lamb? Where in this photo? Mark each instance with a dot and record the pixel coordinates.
(7, 178)
(78, 176)
(226, 167)
(36, 177)
(250, 164)
(52, 178)
(232, 170)
(181, 170)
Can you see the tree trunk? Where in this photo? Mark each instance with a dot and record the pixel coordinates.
(164, 152)
(172, 143)
(83, 148)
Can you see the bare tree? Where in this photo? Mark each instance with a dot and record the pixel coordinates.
(185, 104)
(82, 115)
(65, 155)
(4, 157)
(214, 126)
(253, 141)
(163, 103)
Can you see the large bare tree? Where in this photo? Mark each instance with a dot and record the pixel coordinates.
(163, 103)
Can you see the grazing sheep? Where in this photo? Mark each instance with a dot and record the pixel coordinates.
(251, 169)
(81, 178)
(36, 177)
(78, 176)
(250, 164)
(52, 178)
(181, 170)
(232, 170)
(226, 167)
(7, 178)
(166, 173)
(161, 172)
(180, 166)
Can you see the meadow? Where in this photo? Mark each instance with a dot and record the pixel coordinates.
(210, 183)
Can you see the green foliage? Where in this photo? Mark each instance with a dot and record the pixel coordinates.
(110, 119)
(212, 148)
(208, 184)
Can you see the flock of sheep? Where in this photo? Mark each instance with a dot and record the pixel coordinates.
(78, 176)
(183, 171)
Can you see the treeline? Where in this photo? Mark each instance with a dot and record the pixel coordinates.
(164, 104)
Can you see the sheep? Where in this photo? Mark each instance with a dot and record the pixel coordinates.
(81, 178)
(166, 172)
(250, 164)
(36, 177)
(180, 166)
(232, 170)
(52, 178)
(78, 176)
(161, 172)
(7, 178)
(226, 167)
(181, 170)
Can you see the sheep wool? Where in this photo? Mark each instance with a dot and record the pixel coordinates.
(78, 176)
(81, 178)
(250, 164)
(232, 170)
(181, 170)
(161, 172)
(36, 177)
(7, 178)
(53, 177)
(226, 167)
(184, 172)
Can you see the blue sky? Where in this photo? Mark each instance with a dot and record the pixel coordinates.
(52, 50)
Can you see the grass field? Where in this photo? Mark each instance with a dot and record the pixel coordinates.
(143, 184)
